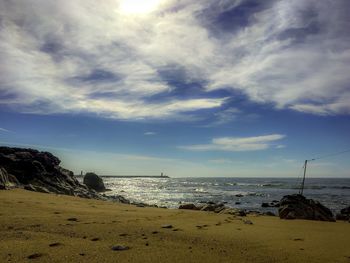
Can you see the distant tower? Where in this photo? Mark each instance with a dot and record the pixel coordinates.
(161, 174)
(81, 173)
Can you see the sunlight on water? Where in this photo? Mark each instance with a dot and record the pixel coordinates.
(247, 193)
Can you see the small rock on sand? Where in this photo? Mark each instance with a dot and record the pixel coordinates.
(72, 219)
(95, 239)
(120, 248)
(247, 222)
(167, 226)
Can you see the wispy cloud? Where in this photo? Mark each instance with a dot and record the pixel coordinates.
(237, 144)
(87, 57)
(150, 133)
(4, 130)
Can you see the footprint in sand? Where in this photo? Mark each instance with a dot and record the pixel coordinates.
(56, 244)
(202, 226)
(73, 219)
(35, 255)
(298, 239)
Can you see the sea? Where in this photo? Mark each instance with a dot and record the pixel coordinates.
(242, 193)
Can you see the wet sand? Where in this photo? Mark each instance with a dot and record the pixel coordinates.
(38, 227)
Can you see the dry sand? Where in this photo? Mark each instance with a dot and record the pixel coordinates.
(38, 227)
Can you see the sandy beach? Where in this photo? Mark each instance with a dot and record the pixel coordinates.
(56, 228)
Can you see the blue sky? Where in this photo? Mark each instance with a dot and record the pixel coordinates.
(189, 88)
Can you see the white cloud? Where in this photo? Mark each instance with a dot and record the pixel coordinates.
(4, 130)
(84, 56)
(237, 144)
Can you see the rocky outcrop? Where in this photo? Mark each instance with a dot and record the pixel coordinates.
(39, 171)
(298, 207)
(214, 207)
(189, 207)
(93, 181)
(344, 214)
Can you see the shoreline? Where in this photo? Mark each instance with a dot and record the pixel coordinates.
(55, 227)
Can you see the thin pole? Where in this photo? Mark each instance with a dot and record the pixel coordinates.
(302, 184)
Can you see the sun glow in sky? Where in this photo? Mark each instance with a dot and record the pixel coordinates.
(138, 7)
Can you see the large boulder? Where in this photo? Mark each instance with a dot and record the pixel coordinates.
(298, 207)
(93, 181)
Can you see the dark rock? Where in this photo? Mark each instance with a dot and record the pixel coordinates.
(4, 180)
(242, 213)
(247, 222)
(40, 172)
(233, 211)
(344, 214)
(213, 207)
(345, 210)
(36, 188)
(189, 207)
(272, 204)
(268, 213)
(167, 226)
(93, 181)
(298, 207)
(120, 248)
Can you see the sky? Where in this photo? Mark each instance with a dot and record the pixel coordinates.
(240, 88)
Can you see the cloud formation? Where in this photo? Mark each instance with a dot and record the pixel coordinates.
(237, 144)
(107, 59)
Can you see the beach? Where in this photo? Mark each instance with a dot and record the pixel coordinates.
(42, 227)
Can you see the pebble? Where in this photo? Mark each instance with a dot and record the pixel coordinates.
(167, 226)
(72, 219)
(247, 222)
(120, 248)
